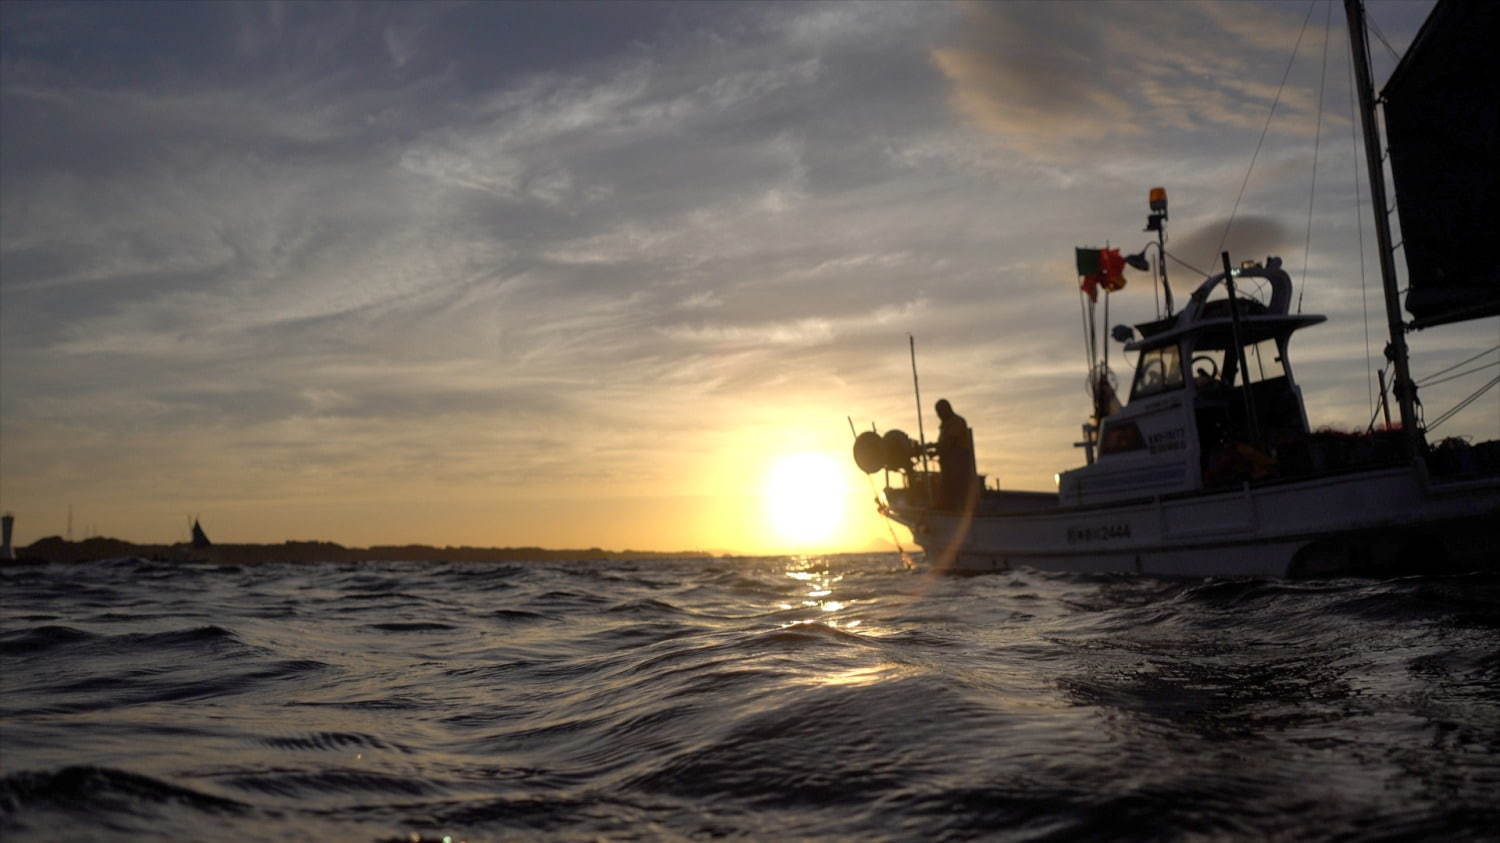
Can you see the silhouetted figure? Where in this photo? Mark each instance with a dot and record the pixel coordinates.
(955, 452)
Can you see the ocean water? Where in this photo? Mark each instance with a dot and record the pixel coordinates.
(772, 698)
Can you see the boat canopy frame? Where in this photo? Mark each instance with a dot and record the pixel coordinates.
(1210, 324)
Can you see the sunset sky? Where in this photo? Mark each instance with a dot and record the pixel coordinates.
(579, 275)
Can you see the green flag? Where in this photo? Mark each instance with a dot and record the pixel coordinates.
(1088, 261)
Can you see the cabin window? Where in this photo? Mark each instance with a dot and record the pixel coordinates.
(1264, 360)
(1120, 437)
(1159, 370)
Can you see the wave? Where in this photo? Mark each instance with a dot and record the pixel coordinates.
(834, 698)
(39, 640)
(333, 742)
(332, 781)
(411, 626)
(104, 790)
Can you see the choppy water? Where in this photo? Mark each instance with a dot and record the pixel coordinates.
(771, 698)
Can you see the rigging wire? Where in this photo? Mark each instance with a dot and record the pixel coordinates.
(1381, 35)
(1312, 190)
(1260, 287)
(1291, 61)
(1463, 374)
(1428, 379)
(1464, 403)
(1185, 264)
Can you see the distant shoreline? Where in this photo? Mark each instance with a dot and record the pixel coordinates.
(58, 549)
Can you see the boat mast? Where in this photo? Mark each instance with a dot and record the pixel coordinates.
(1402, 385)
(1157, 222)
(911, 342)
(1251, 423)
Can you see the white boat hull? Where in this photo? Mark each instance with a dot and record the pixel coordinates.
(1367, 521)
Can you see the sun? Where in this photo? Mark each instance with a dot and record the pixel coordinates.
(805, 498)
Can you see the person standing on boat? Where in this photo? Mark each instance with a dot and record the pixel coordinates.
(955, 452)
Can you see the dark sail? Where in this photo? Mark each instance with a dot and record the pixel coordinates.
(200, 538)
(1442, 119)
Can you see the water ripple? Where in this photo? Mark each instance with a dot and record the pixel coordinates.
(840, 697)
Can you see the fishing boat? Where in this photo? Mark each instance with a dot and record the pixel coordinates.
(1210, 467)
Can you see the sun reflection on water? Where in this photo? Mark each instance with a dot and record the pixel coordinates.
(827, 603)
(868, 675)
(820, 581)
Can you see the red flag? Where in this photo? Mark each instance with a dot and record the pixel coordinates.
(1113, 264)
(1090, 284)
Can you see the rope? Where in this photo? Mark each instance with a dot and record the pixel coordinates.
(1235, 210)
(1462, 404)
(1312, 190)
(1424, 381)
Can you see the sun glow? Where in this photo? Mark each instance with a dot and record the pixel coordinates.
(806, 499)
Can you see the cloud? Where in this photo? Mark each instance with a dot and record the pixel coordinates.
(1247, 238)
(1054, 80)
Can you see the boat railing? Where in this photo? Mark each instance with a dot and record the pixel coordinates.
(921, 486)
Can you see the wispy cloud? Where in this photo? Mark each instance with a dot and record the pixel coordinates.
(1056, 80)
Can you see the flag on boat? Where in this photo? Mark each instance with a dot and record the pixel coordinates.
(1100, 268)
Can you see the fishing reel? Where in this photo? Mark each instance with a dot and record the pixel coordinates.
(894, 451)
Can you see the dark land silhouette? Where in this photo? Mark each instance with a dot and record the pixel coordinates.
(58, 549)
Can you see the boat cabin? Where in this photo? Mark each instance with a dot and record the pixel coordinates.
(1204, 410)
